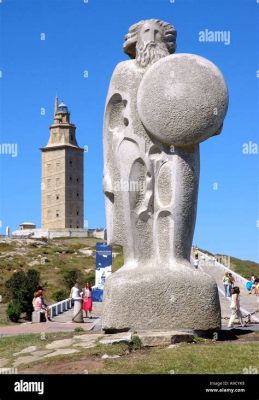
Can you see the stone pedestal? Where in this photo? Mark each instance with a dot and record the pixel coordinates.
(161, 298)
(78, 312)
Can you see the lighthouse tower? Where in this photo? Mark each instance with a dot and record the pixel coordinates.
(62, 174)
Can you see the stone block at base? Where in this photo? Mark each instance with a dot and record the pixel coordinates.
(123, 337)
(162, 299)
(151, 338)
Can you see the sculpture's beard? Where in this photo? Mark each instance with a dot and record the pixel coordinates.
(150, 52)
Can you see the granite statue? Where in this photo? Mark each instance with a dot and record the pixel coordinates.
(160, 106)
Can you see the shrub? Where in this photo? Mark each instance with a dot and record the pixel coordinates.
(14, 310)
(21, 287)
(69, 251)
(89, 277)
(71, 276)
(136, 342)
(79, 329)
(61, 294)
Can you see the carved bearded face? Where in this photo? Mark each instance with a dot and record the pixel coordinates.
(150, 46)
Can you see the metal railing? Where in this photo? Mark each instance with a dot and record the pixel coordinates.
(210, 260)
(60, 307)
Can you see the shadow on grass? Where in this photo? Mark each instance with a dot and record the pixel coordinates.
(225, 334)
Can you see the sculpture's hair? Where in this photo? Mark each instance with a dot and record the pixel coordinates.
(169, 34)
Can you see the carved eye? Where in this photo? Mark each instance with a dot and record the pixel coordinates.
(147, 30)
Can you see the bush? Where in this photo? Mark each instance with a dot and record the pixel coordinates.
(71, 276)
(79, 329)
(69, 251)
(14, 310)
(89, 277)
(136, 342)
(61, 294)
(21, 287)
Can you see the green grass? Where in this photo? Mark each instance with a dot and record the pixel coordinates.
(14, 344)
(244, 267)
(94, 353)
(62, 255)
(6, 247)
(223, 358)
(117, 262)
(188, 359)
(82, 242)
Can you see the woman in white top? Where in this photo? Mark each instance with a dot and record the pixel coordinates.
(75, 293)
(235, 307)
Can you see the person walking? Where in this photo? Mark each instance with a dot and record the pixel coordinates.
(227, 284)
(87, 300)
(235, 307)
(196, 263)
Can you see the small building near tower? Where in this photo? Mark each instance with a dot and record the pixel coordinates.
(62, 175)
(27, 225)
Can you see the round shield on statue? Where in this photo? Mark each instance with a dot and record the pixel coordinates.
(182, 99)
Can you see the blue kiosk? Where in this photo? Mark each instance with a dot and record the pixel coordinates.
(103, 269)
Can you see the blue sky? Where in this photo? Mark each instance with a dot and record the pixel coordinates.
(88, 36)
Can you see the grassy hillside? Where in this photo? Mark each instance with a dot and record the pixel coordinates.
(244, 267)
(55, 257)
(52, 259)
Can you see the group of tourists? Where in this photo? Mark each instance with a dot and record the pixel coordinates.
(85, 295)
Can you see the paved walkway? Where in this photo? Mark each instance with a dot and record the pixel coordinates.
(61, 323)
(249, 302)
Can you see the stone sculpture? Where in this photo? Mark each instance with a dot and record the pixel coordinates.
(160, 106)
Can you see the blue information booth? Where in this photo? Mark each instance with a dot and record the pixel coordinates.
(103, 269)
